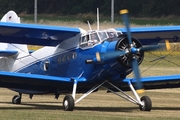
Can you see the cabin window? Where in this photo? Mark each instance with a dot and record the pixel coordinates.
(74, 55)
(59, 60)
(45, 65)
(64, 58)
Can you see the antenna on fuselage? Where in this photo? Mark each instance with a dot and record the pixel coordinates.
(97, 18)
(89, 25)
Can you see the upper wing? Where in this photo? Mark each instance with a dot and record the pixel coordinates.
(154, 35)
(35, 34)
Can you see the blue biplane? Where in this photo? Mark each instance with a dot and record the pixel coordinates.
(78, 61)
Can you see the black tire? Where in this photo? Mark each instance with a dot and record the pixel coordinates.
(16, 99)
(147, 104)
(68, 103)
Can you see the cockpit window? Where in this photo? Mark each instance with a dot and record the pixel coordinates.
(102, 35)
(93, 37)
(118, 33)
(84, 39)
(111, 35)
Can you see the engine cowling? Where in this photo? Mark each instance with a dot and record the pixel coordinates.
(123, 45)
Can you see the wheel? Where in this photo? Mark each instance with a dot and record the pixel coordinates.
(147, 104)
(16, 99)
(68, 103)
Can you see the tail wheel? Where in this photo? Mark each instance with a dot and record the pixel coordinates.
(68, 103)
(16, 99)
(147, 104)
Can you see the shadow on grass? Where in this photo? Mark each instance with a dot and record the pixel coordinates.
(37, 106)
(58, 106)
(166, 108)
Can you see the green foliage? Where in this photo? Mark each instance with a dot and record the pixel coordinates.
(137, 8)
(88, 17)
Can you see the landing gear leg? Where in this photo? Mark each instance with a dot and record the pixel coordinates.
(145, 103)
(68, 102)
(17, 99)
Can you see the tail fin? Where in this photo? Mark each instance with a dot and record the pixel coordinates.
(11, 16)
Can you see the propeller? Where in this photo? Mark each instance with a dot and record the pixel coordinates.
(132, 51)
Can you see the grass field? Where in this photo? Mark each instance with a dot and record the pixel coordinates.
(99, 105)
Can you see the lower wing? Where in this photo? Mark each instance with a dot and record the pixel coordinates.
(158, 82)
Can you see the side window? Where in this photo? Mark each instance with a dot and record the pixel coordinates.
(84, 39)
(45, 65)
(111, 35)
(93, 36)
(103, 35)
(119, 33)
(94, 39)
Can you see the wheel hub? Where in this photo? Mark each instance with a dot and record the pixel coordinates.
(66, 104)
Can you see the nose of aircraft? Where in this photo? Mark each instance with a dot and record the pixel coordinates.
(128, 51)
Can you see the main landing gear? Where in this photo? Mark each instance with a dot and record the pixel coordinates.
(69, 102)
(144, 102)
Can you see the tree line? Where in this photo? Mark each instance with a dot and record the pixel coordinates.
(137, 8)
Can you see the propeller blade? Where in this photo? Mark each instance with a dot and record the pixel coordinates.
(125, 18)
(135, 68)
(139, 86)
(109, 55)
(167, 45)
(151, 48)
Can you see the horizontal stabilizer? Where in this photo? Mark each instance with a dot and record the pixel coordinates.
(7, 53)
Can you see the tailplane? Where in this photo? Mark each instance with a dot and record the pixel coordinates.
(10, 52)
(22, 50)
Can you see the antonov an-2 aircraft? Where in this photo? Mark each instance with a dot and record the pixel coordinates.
(78, 61)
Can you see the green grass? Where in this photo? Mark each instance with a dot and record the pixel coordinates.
(170, 20)
(97, 106)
